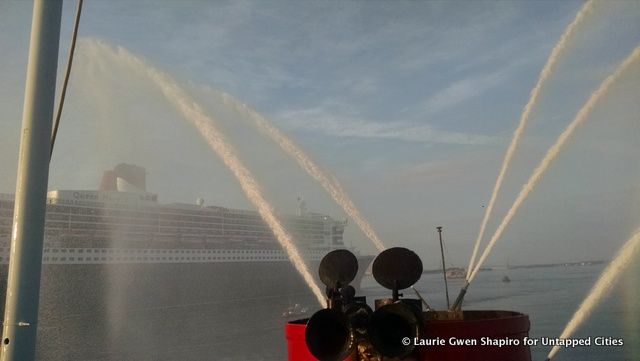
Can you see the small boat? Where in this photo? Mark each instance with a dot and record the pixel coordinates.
(295, 311)
(506, 279)
(455, 273)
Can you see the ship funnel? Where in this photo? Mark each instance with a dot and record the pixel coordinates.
(122, 185)
(124, 178)
(108, 182)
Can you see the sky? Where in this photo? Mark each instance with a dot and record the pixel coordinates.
(410, 104)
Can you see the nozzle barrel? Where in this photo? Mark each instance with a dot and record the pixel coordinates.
(390, 325)
(424, 302)
(457, 305)
(328, 335)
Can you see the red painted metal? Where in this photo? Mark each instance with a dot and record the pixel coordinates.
(495, 325)
(296, 344)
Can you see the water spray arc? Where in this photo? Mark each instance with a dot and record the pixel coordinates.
(329, 183)
(602, 287)
(216, 140)
(553, 151)
(551, 154)
(524, 117)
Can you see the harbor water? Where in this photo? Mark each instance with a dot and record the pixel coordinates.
(549, 295)
(176, 322)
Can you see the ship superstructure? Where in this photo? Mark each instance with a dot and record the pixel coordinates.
(118, 250)
(122, 219)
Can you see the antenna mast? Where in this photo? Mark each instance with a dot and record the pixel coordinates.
(444, 268)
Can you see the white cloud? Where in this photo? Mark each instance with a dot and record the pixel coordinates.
(321, 120)
(462, 90)
(467, 167)
(480, 82)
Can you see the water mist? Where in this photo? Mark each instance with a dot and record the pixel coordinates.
(218, 143)
(329, 183)
(601, 288)
(553, 151)
(524, 117)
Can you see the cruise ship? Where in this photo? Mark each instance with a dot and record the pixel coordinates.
(114, 253)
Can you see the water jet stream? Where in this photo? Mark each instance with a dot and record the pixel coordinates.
(524, 117)
(329, 183)
(217, 142)
(602, 287)
(552, 153)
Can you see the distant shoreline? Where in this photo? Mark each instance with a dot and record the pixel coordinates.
(543, 265)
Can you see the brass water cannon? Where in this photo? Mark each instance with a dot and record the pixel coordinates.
(348, 326)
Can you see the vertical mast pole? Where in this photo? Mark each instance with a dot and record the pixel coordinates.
(444, 269)
(23, 285)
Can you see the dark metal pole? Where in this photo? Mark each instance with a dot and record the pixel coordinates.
(23, 285)
(67, 74)
(444, 269)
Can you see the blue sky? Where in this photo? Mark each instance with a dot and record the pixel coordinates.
(411, 104)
